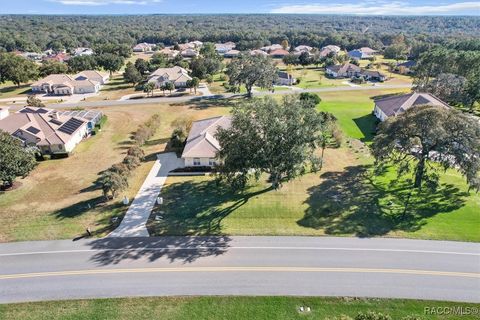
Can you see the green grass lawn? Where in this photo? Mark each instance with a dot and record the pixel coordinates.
(353, 110)
(8, 90)
(212, 308)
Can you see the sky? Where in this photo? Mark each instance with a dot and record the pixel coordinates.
(351, 7)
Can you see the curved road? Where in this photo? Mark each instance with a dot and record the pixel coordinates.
(115, 267)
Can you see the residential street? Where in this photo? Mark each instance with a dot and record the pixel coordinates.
(324, 266)
(107, 103)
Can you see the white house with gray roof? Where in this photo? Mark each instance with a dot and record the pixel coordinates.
(395, 105)
(202, 146)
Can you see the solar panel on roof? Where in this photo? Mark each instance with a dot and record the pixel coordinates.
(70, 126)
(41, 110)
(33, 130)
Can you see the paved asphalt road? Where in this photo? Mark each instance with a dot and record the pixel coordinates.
(116, 267)
(107, 103)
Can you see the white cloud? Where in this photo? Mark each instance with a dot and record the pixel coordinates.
(370, 7)
(104, 2)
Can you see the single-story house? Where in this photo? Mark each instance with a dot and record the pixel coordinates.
(169, 52)
(333, 48)
(303, 48)
(223, 48)
(258, 53)
(82, 52)
(271, 48)
(143, 47)
(88, 81)
(176, 75)
(369, 75)
(362, 53)
(406, 67)
(202, 147)
(398, 104)
(279, 53)
(93, 75)
(232, 54)
(51, 131)
(346, 70)
(196, 44)
(285, 79)
(189, 53)
(329, 50)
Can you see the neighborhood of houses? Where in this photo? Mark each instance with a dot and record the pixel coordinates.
(58, 132)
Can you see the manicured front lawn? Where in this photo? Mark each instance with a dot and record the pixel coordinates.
(353, 110)
(345, 199)
(212, 308)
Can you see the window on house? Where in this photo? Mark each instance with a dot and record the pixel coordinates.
(196, 161)
(212, 162)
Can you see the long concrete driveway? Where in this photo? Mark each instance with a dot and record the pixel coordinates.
(303, 266)
(134, 222)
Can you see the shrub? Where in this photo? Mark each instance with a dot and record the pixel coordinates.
(120, 168)
(131, 162)
(372, 316)
(137, 152)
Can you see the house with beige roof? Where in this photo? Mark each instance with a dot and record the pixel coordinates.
(143, 47)
(88, 81)
(202, 147)
(176, 75)
(53, 132)
(395, 105)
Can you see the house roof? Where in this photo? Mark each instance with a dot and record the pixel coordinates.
(284, 75)
(53, 79)
(367, 50)
(344, 68)
(372, 73)
(279, 52)
(173, 74)
(201, 141)
(407, 64)
(332, 47)
(395, 105)
(303, 48)
(258, 53)
(90, 74)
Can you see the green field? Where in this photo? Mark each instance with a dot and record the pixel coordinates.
(212, 308)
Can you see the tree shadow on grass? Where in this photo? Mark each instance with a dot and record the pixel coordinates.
(367, 125)
(354, 202)
(197, 208)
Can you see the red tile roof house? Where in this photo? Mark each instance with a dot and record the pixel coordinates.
(202, 146)
(396, 105)
(51, 133)
(279, 53)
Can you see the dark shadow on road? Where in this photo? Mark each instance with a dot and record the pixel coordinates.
(355, 202)
(184, 249)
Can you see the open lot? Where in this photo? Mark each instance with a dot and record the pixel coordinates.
(223, 308)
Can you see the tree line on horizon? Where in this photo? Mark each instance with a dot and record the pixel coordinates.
(37, 33)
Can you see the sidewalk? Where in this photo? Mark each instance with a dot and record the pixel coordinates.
(134, 222)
